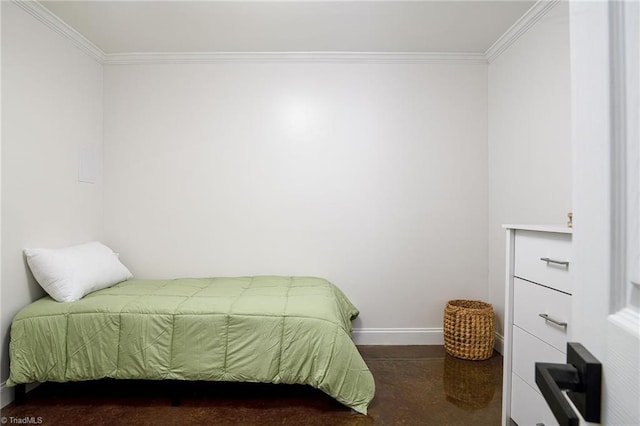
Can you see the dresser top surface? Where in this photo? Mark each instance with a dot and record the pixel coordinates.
(561, 229)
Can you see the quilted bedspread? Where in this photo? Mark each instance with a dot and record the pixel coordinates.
(250, 329)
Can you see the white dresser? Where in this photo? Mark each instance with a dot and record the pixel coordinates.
(536, 318)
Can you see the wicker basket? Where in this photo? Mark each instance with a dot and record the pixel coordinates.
(469, 329)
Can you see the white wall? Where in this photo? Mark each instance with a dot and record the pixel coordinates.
(529, 137)
(371, 175)
(51, 108)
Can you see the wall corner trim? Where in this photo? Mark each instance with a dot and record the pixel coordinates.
(42, 14)
(521, 26)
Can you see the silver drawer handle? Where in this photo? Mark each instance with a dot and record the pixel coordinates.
(557, 262)
(555, 321)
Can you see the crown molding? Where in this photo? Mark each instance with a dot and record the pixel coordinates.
(289, 57)
(42, 14)
(522, 25)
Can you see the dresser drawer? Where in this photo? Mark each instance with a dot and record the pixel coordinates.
(531, 247)
(530, 300)
(527, 350)
(528, 407)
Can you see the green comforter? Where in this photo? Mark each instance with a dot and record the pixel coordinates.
(253, 329)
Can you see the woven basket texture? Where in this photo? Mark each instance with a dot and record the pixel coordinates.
(469, 329)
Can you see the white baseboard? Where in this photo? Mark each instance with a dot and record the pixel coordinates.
(398, 336)
(499, 345)
(7, 394)
(408, 336)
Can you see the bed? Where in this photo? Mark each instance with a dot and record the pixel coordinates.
(267, 329)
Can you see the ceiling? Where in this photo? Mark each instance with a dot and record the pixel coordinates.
(290, 26)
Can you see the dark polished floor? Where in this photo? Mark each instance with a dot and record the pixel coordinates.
(415, 385)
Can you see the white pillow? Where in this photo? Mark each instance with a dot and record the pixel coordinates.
(67, 274)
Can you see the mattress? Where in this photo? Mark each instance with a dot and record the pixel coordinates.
(248, 329)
